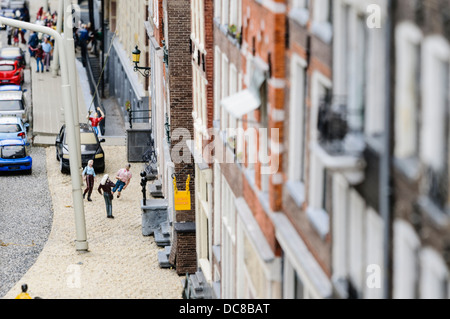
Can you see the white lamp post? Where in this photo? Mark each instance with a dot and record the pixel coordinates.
(81, 243)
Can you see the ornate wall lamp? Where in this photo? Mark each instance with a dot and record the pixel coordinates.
(136, 58)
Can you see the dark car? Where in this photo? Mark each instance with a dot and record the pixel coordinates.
(91, 149)
(13, 53)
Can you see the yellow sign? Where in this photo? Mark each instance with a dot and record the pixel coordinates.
(182, 198)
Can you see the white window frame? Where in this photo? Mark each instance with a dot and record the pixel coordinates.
(407, 36)
(406, 245)
(435, 50)
(434, 275)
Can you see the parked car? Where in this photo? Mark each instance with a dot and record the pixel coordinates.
(14, 156)
(12, 103)
(13, 127)
(91, 149)
(16, 4)
(11, 73)
(13, 53)
(11, 87)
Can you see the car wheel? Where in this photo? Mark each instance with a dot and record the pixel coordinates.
(61, 167)
(30, 171)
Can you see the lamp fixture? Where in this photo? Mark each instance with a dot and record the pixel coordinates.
(136, 58)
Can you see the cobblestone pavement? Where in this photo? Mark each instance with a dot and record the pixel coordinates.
(121, 262)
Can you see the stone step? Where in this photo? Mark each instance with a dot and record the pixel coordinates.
(161, 239)
(163, 260)
(165, 229)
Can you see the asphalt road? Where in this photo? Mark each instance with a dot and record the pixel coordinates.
(25, 211)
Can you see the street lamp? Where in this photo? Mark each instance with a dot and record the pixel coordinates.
(81, 243)
(136, 58)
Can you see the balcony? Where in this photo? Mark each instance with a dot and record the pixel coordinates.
(340, 143)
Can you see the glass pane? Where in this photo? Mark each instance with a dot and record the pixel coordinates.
(6, 67)
(11, 105)
(88, 138)
(9, 128)
(12, 152)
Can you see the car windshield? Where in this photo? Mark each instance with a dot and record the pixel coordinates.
(13, 151)
(10, 53)
(11, 105)
(6, 67)
(88, 139)
(9, 128)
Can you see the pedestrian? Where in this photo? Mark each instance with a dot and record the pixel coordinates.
(33, 42)
(24, 294)
(89, 174)
(83, 36)
(105, 186)
(47, 47)
(39, 55)
(123, 179)
(16, 37)
(95, 120)
(9, 31)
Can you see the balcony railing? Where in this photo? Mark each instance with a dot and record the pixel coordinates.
(340, 128)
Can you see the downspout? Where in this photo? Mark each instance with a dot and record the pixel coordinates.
(386, 187)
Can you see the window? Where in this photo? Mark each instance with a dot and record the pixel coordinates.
(435, 103)
(322, 26)
(225, 90)
(407, 91)
(228, 240)
(405, 267)
(435, 277)
(316, 212)
(297, 120)
(217, 86)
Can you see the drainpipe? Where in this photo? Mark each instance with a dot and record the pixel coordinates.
(386, 187)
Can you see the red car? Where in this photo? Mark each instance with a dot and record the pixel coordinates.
(11, 72)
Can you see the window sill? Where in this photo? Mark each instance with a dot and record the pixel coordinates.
(296, 191)
(323, 30)
(320, 220)
(438, 216)
(299, 15)
(409, 167)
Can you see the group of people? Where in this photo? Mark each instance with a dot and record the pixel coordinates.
(106, 187)
(42, 50)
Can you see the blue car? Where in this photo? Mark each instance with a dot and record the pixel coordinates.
(12, 128)
(14, 156)
(11, 87)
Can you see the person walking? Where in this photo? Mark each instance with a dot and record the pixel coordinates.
(95, 120)
(24, 294)
(33, 42)
(16, 37)
(123, 179)
(39, 55)
(83, 36)
(89, 174)
(105, 186)
(47, 47)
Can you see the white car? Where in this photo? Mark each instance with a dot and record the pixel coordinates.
(12, 103)
(13, 4)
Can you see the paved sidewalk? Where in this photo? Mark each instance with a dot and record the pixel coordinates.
(121, 262)
(48, 112)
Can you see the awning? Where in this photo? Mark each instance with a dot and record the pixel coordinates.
(248, 100)
(241, 103)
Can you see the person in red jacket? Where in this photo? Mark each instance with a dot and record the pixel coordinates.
(39, 55)
(95, 120)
